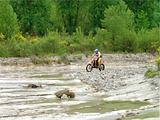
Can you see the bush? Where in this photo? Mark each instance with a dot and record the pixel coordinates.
(152, 73)
(15, 49)
(103, 40)
(2, 37)
(21, 49)
(80, 43)
(148, 40)
(158, 63)
(52, 43)
(4, 50)
(125, 42)
(19, 46)
(19, 37)
(158, 59)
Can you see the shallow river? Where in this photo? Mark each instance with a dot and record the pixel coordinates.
(22, 103)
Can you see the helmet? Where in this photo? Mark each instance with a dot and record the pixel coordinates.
(96, 50)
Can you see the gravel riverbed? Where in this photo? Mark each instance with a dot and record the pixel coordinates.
(122, 80)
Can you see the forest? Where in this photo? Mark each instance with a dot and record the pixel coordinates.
(58, 27)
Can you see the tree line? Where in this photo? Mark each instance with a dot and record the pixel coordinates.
(66, 26)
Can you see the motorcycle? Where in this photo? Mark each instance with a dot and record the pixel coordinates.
(94, 64)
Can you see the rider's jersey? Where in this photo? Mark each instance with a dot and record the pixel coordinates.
(99, 55)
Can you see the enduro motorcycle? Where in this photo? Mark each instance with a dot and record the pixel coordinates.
(94, 64)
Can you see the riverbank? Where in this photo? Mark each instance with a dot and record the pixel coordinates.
(79, 58)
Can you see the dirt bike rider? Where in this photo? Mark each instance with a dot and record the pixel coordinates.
(98, 55)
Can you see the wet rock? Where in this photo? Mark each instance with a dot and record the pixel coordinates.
(119, 119)
(146, 99)
(130, 114)
(60, 93)
(123, 84)
(141, 82)
(66, 92)
(34, 86)
(70, 94)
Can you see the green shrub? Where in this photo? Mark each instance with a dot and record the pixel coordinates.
(103, 40)
(21, 49)
(125, 42)
(19, 46)
(47, 45)
(19, 37)
(148, 40)
(4, 50)
(2, 37)
(158, 59)
(152, 73)
(158, 63)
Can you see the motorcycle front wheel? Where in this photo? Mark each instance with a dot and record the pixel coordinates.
(101, 67)
(89, 68)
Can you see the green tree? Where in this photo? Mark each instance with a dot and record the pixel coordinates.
(69, 11)
(8, 19)
(97, 11)
(118, 20)
(84, 16)
(82, 13)
(156, 14)
(56, 18)
(142, 20)
(146, 11)
(34, 16)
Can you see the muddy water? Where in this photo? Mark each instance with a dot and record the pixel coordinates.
(19, 102)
